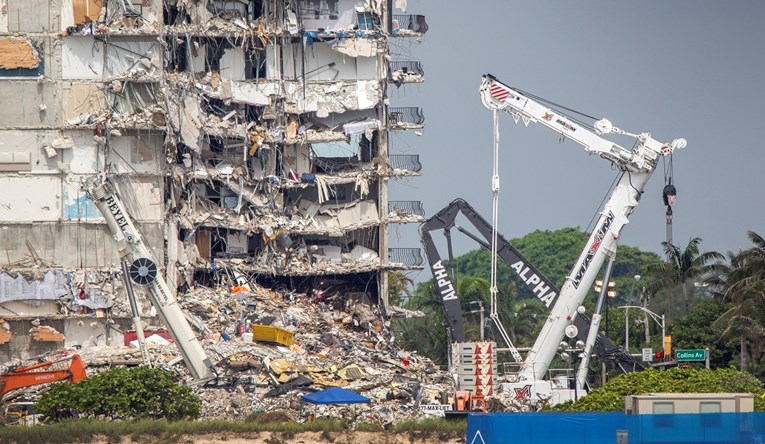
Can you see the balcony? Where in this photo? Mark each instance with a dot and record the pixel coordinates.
(405, 162)
(405, 209)
(404, 24)
(408, 257)
(405, 117)
(405, 72)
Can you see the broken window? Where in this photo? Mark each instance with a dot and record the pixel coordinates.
(366, 21)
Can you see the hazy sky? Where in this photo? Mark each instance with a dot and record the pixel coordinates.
(675, 68)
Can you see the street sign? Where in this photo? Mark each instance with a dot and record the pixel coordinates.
(647, 355)
(691, 355)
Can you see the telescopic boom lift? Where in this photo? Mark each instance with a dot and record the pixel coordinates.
(143, 270)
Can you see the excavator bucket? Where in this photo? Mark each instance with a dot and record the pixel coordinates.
(77, 369)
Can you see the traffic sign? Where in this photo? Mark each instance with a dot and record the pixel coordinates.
(647, 355)
(691, 355)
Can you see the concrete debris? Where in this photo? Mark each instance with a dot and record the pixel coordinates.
(339, 341)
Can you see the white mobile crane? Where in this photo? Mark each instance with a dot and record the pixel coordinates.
(636, 166)
(143, 270)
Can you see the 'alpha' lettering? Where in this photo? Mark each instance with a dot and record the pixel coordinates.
(445, 286)
(535, 283)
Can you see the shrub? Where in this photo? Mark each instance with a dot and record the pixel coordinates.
(135, 393)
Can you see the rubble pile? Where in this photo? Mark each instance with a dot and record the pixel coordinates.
(338, 342)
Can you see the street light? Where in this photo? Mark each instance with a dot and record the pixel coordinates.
(570, 354)
(657, 318)
(632, 290)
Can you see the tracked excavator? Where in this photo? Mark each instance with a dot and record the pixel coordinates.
(32, 375)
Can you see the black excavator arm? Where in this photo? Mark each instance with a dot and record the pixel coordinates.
(545, 290)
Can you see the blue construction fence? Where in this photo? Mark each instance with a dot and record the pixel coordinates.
(615, 428)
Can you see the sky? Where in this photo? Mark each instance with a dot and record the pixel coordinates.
(674, 68)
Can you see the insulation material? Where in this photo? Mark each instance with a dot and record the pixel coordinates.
(18, 53)
(76, 205)
(35, 198)
(82, 58)
(132, 57)
(232, 64)
(81, 99)
(18, 288)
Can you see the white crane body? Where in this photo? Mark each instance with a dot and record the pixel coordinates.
(636, 166)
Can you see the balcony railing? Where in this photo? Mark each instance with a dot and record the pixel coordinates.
(411, 22)
(405, 68)
(407, 115)
(411, 257)
(406, 207)
(406, 162)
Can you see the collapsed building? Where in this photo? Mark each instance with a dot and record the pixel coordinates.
(248, 139)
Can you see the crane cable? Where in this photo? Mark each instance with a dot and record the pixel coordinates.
(494, 221)
(669, 194)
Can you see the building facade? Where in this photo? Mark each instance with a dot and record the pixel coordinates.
(248, 139)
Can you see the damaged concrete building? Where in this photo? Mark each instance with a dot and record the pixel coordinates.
(249, 140)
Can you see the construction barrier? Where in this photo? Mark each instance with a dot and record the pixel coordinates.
(588, 428)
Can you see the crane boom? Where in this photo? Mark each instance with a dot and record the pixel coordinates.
(636, 166)
(144, 270)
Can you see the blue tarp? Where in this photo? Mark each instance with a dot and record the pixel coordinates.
(335, 395)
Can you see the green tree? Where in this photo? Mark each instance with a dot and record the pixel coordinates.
(399, 287)
(122, 393)
(680, 271)
(743, 285)
(699, 329)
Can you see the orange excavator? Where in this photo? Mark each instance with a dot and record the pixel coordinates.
(26, 376)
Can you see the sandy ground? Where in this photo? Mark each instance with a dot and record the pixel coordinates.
(310, 438)
(327, 438)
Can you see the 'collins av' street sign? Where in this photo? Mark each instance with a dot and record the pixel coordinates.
(691, 355)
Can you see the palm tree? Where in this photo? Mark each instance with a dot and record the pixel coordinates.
(681, 269)
(399, 287)
(743, 284)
